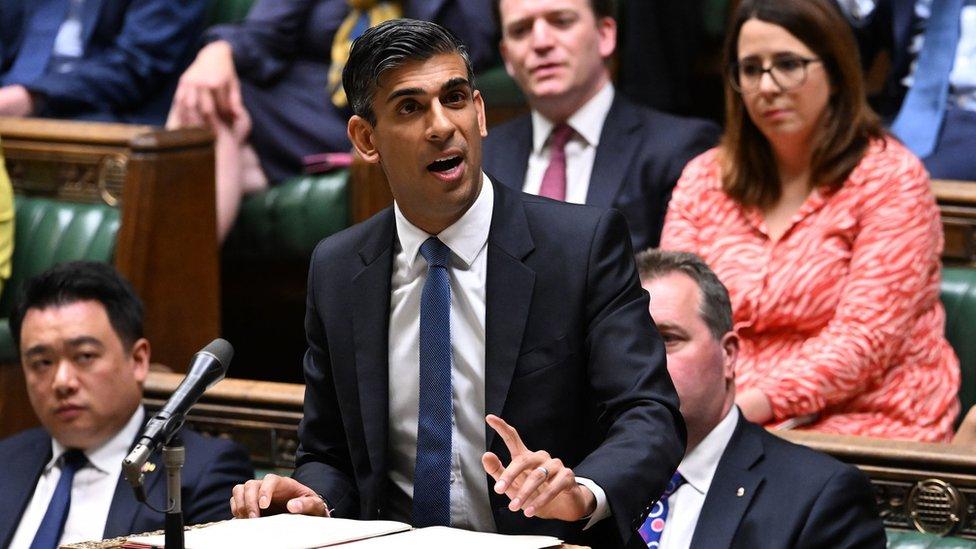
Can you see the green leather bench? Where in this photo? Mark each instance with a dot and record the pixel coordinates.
(959, 298)
(48, 232)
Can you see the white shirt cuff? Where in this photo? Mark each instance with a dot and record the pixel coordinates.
(602, 508)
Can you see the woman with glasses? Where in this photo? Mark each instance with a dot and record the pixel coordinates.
(826, 233)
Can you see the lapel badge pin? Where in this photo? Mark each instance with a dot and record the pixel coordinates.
(740, 492)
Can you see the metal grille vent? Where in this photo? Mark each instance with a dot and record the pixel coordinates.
(936, 507)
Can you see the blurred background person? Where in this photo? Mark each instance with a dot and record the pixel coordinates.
(929, 91)
(714, 499)
(826, 234)
(107, 60)
(270, 86)
(583, 142)
(79, 330)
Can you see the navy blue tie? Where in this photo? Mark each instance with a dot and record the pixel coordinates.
(49, 532)
(431, 480)
(923, 109)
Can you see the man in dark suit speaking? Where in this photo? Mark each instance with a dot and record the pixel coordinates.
(583, 142)
(738, 486)
(468, 299)
(79, 330)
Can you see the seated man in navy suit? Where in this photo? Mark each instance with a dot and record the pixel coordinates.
(583, 142)
(108, 60)
(79, 330)
(478, 357)
(738, 485)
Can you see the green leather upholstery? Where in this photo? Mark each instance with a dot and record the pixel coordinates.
(898, 539)
(227, 11)
(287, 220)
(48, 232)
(959, 299)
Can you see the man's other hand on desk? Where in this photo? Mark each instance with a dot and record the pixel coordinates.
(275, 494)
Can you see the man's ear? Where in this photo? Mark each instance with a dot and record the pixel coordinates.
(607, 30)
(361, 134)
(140, 359)
(479, 105)
(730, 351)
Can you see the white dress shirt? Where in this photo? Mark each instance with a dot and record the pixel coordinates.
(580, 150)
(91, 491)
(698, 467)
(467, 239)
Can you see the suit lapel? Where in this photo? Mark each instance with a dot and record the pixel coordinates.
(615, 153)
(513, 154)
(508, 294)
(89, 19)
(19, 479)
(371, 318)
(733, 487)
(902, 15)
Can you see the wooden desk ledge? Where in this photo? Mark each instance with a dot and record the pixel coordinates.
(230, 390)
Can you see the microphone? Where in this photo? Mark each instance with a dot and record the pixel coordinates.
(207, 368)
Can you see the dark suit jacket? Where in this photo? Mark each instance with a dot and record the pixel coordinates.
(282, 53)
(888, 28)
(213, 466)
(640, 157)
(794, 498)
(572, 361)
(134, 52)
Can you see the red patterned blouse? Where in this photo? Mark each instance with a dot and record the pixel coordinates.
(839, 319)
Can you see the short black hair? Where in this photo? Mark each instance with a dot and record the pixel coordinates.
(75, 281)
(390, 45)
(601, 9)
(715, 308)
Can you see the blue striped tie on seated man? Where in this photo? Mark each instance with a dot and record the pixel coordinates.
(79, 330)
(738, 485)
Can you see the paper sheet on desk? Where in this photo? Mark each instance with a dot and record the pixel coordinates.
(439, 537)
(277, 531)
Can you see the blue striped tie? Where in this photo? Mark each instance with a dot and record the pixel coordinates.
(431, 480)
(923, 110)
(52, 525)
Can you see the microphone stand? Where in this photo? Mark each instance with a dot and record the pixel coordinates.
(174, 456)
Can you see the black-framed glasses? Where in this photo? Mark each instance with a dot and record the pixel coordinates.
(787, 71)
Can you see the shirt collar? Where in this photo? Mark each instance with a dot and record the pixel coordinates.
(698, 466)
(466, 237)
(587, 121)
(109, 455)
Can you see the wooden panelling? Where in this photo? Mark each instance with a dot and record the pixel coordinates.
(164, 183)
(957, 204)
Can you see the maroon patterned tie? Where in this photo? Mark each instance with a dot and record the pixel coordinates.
(554, 180)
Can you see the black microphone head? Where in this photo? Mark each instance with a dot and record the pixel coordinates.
(222, 350)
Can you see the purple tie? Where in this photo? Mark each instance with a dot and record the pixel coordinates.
(554, 180)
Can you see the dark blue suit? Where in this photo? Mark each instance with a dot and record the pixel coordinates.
(793, 498)
(639, 159)
(572, 361)
(282, 53)
(213, 467)
(134, 52)
(889, 28)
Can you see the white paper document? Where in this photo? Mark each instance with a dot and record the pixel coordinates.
(287, 531)
(439, 537)
(284, 531)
